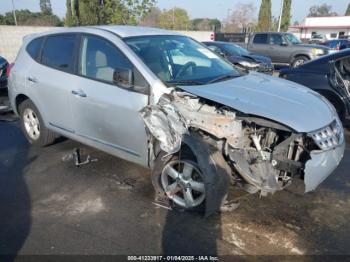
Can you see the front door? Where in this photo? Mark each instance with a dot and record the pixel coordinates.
(278, 50)
(104, 113)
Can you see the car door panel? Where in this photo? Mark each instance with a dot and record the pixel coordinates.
(105, 113)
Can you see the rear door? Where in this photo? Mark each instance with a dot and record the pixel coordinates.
(106, 114)
(49, 80)
(259, 44)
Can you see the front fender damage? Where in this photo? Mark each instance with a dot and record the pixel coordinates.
(258, 154)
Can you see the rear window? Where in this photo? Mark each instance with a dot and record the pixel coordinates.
(33, 48)
(58, 52)
(260, 39)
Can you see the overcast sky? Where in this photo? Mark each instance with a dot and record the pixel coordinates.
(196, 8)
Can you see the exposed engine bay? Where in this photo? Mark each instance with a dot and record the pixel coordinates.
(264, 155)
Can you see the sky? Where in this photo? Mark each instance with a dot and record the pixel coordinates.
(196, 8)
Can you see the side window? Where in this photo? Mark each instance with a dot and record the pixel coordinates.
(33, 48)
(260, 39)
(58, 52)
(276, 39)
(99, 59)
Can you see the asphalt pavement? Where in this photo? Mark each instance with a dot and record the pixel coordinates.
(49, 206)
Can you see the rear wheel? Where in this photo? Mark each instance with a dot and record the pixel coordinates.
(33, 126)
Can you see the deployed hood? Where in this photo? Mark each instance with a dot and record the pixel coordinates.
(277, 99)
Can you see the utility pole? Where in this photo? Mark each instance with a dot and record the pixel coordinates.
(279, 21)
(14, 12)
(173, 17)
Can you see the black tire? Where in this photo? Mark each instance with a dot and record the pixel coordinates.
(44, 137)
(158, 169)
(299, 60)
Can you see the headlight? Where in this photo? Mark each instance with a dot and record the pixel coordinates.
(330, 136)
(248, 64)
(316, 51)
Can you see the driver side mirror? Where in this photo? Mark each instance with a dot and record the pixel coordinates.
(284, 43)
(123, 77)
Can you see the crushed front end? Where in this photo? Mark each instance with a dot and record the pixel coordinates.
(264, 156)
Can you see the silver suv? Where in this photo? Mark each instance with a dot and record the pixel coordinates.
(167, 102)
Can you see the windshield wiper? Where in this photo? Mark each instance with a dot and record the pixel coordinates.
(221, 78)
(185, 82)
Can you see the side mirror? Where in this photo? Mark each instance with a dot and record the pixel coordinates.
(123, 77)
(284, 43)
(222, 54)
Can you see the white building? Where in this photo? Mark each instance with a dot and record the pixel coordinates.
(330, 26)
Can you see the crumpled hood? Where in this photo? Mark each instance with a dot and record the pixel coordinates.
(277, 99)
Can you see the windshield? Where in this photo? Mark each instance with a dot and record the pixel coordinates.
(293, 39)
(180, 60)
(236, 50)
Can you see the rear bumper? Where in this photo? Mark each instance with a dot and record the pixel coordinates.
(321, 165)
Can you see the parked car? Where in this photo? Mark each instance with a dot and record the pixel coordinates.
(241, 57)
(284, 49)
(164, 101)
(317, 39)
(337, 44)
(3, 72)
(329, 76)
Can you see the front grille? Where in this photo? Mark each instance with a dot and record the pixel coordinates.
(328, 137)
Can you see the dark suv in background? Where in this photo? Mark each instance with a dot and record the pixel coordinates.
(284, 48)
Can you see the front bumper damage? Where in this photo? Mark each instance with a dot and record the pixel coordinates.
(260, 155)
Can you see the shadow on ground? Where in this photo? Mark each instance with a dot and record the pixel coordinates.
(15, 202)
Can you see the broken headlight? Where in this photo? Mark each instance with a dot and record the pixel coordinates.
(330, 136)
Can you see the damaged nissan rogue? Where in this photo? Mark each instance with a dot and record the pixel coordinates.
(167, 102)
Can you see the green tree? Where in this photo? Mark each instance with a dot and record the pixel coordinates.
(45, 7)
(285, 21)
(348, 10)
(71, 18)
(95, 12)
(175, 18)
(264, 20)
(26, 17)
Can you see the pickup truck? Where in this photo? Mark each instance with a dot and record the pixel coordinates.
(283, 48)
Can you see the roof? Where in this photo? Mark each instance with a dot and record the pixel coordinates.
(130, 31)
(325, 22)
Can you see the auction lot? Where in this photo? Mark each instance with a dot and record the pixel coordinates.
(49, 206)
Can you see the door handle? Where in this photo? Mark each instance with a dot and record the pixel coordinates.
(32, 79)
(79, 93)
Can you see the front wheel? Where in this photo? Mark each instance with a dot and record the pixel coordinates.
(180, 180)
(299, 60)
(33, 126)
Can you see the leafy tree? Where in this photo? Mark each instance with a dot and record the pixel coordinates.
(215, 24)
(152, 18)
(26, 17)
(45, 7)
(348, 10)
(94, 12)
(264, 20)
(321, 10)
(285, 21)
(71, 18)
(175, 18)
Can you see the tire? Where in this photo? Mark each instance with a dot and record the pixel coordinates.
(173, 179)
(33, 125)
(299, 60)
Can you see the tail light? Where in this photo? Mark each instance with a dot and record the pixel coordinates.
(8, 69)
